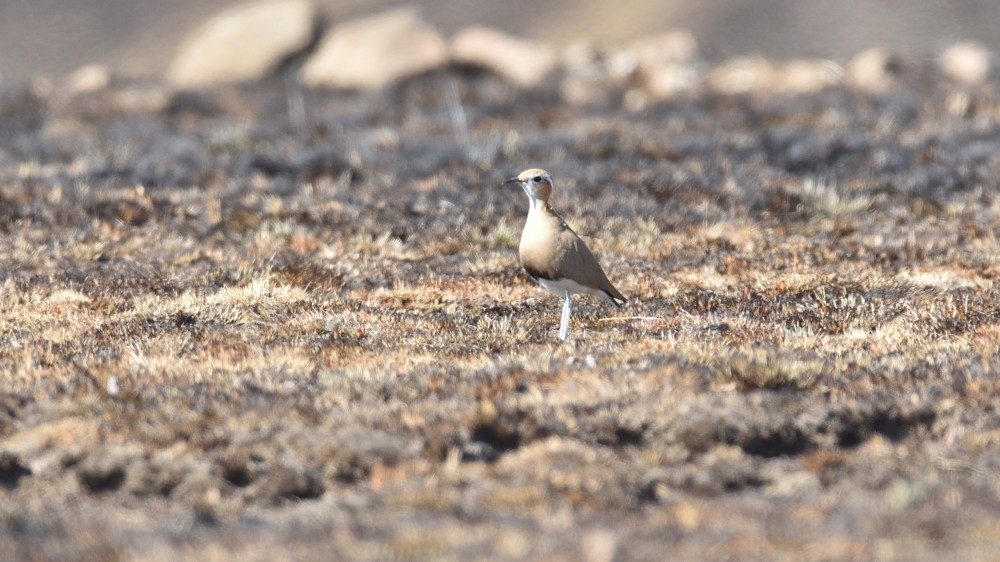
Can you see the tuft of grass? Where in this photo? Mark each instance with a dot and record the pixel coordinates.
(824, 199)
(769, 370)
(498, 235)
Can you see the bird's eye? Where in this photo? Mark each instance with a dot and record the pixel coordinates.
(536, 179)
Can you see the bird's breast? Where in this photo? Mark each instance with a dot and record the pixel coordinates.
(539, 249)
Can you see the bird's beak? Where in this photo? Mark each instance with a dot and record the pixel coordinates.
(512, 180)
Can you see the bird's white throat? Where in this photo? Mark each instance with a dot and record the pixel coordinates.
(534, 202)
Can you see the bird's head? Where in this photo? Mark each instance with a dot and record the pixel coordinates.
(536, 183)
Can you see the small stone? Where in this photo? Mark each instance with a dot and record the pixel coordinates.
(376, 51)
(581, 91)
(873, 70)
(635, 100)
(419, 208)
(89, 78)
(582, 56)
(650, 59)
(807, 75)
(788, 483)
(755, 74)
(599, 545)
(112, 387)
(523, 62)
(967, 62)
(244, 42)
(670, 80)
(743, 75)
(623, 65)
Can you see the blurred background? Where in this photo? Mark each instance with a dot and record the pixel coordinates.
(139, 37)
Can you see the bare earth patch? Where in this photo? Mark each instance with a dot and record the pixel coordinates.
(227, 336)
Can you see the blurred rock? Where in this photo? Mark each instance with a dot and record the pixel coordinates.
(373, 52)
(89, 78)
(743, 75)
(809, 75)
(585, 77)
(755, 74)
(141, 99)
(623, 65)
(959, 103)
(523, 62)
(670, 79)
(672, 47)
(651, 54)
(967, 62)
(583, 56)
(585, 91)
(245, 42)
(660, 66)
(873, 70)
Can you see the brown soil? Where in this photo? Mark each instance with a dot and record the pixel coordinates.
(225, 334)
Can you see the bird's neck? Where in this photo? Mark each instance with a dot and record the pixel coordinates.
(538, 205)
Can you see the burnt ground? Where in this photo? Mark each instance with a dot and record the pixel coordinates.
(229, 334)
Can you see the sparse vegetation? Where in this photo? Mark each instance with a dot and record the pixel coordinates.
(216, 344)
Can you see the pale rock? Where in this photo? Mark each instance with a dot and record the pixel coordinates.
(806, 76)
(873, 70)
(743, 75)
(635, 100)
(373, 52)
(586, 81)
(583, 90)
(89, 78)
(672, 47)
(244, 42)
(967, 62)
(623, 65)
(656, 68)
(670, 80)
(523, 62)
(583, 56)
(140, 99)
(651, 55)
(755, 74)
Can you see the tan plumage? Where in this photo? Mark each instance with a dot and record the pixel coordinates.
(553, 254)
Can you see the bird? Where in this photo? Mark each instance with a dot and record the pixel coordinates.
(554, 255)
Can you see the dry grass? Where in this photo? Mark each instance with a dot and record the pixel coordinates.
(338, 357)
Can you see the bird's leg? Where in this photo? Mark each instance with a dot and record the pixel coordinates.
(567, 311)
